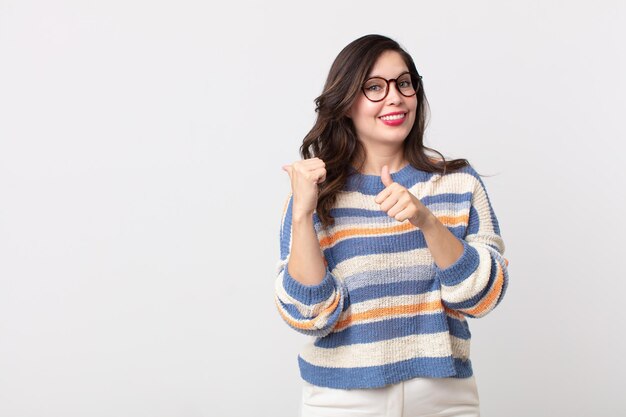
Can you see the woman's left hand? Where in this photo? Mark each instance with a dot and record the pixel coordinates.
(399, 203)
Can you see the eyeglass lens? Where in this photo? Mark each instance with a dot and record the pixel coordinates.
(376, 88)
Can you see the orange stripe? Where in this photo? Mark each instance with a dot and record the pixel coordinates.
(330, 240)
(454, 220)
(493, 294)
(384, 312)
(403, 227)
(307, 325)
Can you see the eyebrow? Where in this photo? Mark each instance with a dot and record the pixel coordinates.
(380, 76)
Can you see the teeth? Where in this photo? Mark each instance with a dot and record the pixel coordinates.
(394, 117)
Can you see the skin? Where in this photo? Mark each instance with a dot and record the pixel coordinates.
(382, 143)
(383, 150)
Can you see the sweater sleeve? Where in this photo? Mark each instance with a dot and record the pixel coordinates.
(476, 283)
(309, 309)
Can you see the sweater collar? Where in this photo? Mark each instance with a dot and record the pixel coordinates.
(373, 184)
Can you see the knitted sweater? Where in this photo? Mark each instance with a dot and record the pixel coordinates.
(385, 312)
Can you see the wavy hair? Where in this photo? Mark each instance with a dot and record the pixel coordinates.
(333, 137)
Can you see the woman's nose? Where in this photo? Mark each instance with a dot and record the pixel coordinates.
(393, 95)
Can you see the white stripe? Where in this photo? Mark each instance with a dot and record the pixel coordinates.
(343, 223)
(451, 207)
(460, 347)
(382, 262)
(304, 309)
(393, 301)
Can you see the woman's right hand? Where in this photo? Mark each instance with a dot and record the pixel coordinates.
(305, 175)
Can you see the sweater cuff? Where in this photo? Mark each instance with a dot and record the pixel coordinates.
(309, 294)
(461, 268)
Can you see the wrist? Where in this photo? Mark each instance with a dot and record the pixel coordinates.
(429, 223)
(301, 217)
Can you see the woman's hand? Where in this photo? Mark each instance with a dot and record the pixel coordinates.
(400, 204)
(305, 176)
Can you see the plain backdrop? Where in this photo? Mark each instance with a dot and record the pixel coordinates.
(141, 189)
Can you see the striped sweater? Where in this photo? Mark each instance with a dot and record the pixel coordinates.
(385, 312)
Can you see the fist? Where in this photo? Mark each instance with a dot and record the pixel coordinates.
(305, 175)
(399, 203)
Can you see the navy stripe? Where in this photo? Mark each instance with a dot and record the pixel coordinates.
(470, 303)
(459, 328)
(408, 176)
(492, 214)
(309, 294)
(369, 245)
(356, 212)
(373, 245)
(385, 330)
(378, 376)
(389, 274)
(371, 292)
(505, 285)
(446, 198)
(462, 268)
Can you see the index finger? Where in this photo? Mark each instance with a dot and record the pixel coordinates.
(382, 196)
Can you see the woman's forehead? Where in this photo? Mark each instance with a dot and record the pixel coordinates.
(388, 65)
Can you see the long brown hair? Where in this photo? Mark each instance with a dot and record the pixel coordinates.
(333, 138)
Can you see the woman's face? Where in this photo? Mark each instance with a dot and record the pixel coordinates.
(391, 119)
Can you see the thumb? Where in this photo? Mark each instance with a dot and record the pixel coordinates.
(386, 176)
(287, 169)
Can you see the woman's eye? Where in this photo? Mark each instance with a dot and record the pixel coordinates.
(373, 87)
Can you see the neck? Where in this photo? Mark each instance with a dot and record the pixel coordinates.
(374, 166)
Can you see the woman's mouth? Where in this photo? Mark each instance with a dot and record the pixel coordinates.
(393, 119)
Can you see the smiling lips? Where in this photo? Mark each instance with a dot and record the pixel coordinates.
(393, 119)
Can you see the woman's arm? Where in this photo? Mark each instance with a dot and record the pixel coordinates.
(311, 300)
(306, 262)
(473, 271)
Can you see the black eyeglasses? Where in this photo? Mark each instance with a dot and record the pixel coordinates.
(377, 88)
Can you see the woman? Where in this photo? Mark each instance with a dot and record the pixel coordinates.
(385, 249)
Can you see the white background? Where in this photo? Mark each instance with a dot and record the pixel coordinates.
(141, 145)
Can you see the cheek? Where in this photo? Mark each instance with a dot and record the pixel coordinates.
(364, 109)
(413, 109)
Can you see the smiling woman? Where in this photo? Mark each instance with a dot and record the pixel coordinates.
(382, 106)
(385, 249)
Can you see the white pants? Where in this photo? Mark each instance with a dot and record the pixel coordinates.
(419, 397)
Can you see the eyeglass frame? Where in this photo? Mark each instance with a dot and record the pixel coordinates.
(418, 79)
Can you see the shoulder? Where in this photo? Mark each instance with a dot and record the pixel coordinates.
(460, 181)
(467, 170)
(465, 173)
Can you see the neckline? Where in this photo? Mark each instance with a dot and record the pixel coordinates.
(398, 173)
(371, 183)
